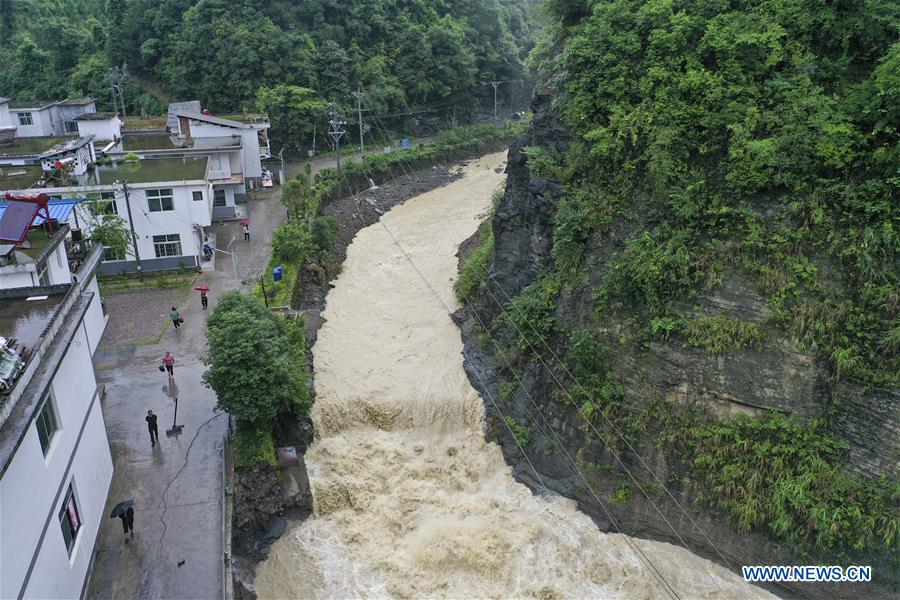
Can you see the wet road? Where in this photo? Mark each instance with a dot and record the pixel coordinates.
(177, 485)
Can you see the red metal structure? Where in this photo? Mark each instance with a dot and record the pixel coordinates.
(20, 214)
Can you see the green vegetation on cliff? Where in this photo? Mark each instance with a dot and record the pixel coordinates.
(715, 143)
(762, 137)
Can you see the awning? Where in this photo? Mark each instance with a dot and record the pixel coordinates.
(59, 210)
(17, 217)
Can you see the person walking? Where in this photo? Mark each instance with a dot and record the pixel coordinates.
(168, 362)
(151, 425)
(176, 317)
(204, 300)
(246, 228)
(128, 522)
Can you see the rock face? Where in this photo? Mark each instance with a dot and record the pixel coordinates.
(749, 381)
(522, 222)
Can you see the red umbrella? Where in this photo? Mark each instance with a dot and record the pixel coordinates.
(245, 222)
(202, 288)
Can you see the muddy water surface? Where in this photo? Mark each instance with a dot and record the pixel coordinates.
(410, 501)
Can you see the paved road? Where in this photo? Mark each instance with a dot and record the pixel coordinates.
(326, 159)
(176, 486)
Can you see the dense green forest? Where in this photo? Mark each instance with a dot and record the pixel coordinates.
(403, 53)
(744, 140)
(765, 136)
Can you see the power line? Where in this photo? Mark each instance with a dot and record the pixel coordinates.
(602, 412)
(657, 574)
(609, 421)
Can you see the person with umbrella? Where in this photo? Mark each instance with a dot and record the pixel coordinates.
(204, 290)
(124, 511)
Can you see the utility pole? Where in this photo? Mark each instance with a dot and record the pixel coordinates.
(117, 78)
(336, 131)
(358, 95)
(137, 253)
(112, 85)
(496, 84)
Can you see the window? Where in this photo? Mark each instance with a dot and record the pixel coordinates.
(71, 127)
(113, 253)
(198, 196)
(25, 119)
(108, 201)
(218, 197)
(167, 245)
(160, 200)
(69, 519)
(46, 424)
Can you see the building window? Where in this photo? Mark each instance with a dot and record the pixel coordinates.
(107, 200)
(167, 245)
(46, 424)
(25, 118)
(198, 196)
(160, 200)
(69, 519)
(219, 197)
(113, 253)
(71, 127)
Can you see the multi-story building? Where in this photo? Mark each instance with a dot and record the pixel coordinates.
(175, 174)
(37, 118)
(55, 462)
(167, 202)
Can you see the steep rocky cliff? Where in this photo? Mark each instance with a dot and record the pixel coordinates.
(625, 459)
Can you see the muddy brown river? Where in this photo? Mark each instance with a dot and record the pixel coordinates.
(410, 501)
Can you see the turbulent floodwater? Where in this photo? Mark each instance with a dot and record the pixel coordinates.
(410, 501)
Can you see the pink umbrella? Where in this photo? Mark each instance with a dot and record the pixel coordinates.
(245, 222)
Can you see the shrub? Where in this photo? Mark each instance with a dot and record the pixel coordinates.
(780, 474)
(292, 243)
(542, 162)
(521, 433)
(474, 269)
(254, 447)
(324, 233)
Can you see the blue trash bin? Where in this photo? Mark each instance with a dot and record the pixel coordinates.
(404, 143)
(276, 274)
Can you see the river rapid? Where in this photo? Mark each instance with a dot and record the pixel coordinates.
(410, 501)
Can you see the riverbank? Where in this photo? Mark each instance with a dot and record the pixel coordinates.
(410, 499)
(264, 514)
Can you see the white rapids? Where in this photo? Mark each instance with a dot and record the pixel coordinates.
(410, 501)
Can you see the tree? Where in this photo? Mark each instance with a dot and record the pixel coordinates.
(298, 197)
(109, 230)
(251, 366)
(324, 232)
(292, 243)
(292, 112)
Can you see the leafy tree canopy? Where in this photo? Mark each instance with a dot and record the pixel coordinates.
(251, 366)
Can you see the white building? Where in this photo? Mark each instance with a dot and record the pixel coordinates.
(103, 126)
(55, 462)
(35, 118)
(225, 155)
(252, 129)
(170, 202)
